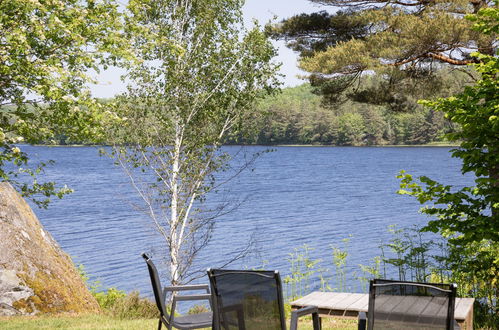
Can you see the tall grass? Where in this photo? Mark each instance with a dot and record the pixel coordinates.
(117, 303)
(409, 255)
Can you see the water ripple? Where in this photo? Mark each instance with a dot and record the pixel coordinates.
(295, 196)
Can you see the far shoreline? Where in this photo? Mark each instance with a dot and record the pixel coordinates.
(429, 145)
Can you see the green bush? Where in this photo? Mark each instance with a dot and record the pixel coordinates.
(198, 309)
(132, 306)
(107, 299)
(117, 303)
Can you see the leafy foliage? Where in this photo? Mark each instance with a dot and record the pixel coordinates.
(302, 269)
(297, 116)
(46, 49)
(316, 32)
(403, 42)
(469, 216)
(194, 85)
(117, 303)
(470, 211)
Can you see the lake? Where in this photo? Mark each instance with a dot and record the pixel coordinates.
(294, 196)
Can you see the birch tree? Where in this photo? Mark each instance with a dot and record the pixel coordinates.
(197, 80)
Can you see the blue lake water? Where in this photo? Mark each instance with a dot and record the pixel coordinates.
(294, 196)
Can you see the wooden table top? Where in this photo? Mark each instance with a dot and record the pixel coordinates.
(358, 302)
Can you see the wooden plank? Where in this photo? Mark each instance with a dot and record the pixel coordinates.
(435, 312)
(409, 311)
(353, 299)
(387, 303)
(327, 299)
(335, 301)
(349, 304)
(315, 299)
(416, 308)
(462, 307)
(303, 301)
(360, 305)
(387, 307)
(406, 307)
(309, 299)
(392, 308)
(468, 323)
(342, 302)
(321, 300)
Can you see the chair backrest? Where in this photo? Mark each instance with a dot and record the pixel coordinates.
(156, 286)
(410, 305)
(247, 299)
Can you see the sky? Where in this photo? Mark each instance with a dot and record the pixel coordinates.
(261, 10)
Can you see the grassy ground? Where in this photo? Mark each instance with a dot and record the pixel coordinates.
(107, 322)
(75, 322)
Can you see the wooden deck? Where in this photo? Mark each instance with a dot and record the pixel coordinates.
(350, 304)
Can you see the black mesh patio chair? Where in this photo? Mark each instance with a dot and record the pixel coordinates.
(194, 321)
(409, 305)
(251, 300)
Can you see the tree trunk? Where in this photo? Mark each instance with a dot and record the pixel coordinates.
(174, 220)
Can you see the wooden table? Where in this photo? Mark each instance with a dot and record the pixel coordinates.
(350, 304)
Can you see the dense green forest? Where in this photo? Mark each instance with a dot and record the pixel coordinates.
(297, 115)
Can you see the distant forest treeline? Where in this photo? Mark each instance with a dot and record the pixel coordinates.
(298, 116)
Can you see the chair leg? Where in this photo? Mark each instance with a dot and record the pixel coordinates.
(362, 321)
(317, 321)
(240, 320)
(294, 321)
(160, 323)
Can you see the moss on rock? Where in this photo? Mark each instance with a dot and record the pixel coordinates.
(45, 280)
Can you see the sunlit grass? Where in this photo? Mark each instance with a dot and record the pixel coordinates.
(75, 322)
(108, 322)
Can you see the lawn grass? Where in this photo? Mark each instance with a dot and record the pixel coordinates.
(108, 322)
(75, 322)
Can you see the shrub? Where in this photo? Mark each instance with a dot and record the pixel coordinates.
(116, 303)
(107, 299)
(132, 306)
(198, 309)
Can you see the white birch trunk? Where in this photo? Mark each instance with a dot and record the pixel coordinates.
(174, 217)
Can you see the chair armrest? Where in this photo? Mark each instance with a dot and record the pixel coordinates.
(191, 287)
(187, 287)
(176, 288)
(305, 311)
(192, 297)
(362, 321)
(309, 310)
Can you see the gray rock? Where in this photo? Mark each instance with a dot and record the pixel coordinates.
(12, 290)
(35, 274)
